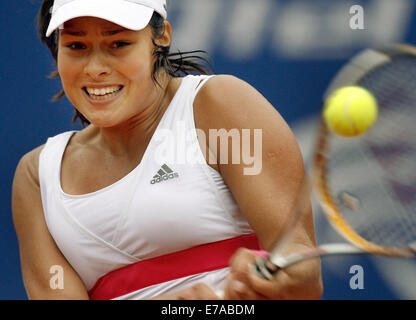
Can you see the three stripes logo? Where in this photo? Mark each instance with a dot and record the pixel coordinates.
(165, 173)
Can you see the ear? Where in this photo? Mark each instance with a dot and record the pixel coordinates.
(166, 38)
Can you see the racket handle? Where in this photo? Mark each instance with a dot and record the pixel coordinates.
(280, 262)
(267, 267)
(264, 268)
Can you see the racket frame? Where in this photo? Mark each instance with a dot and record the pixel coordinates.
(351, 73)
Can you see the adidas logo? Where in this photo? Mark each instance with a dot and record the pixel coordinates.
(165, 173)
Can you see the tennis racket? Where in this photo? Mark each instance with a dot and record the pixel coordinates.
(365, 185)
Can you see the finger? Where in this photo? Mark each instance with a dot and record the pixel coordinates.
(239, 290)
(240, 265)
(241, 260)
(184, 294)
(278, 288)
(235, 289)
(201, 291)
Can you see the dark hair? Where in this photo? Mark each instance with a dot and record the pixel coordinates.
(175, 64)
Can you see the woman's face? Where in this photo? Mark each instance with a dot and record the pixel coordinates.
(106, 70)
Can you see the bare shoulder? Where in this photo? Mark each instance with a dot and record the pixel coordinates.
(27, 168)
(26, 190)
(228, 102)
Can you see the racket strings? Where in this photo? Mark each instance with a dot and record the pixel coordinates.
(373, 177)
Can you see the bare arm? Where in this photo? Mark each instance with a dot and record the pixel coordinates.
(38, 251)
(266, 197)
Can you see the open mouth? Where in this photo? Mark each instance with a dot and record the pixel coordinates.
(102, 94)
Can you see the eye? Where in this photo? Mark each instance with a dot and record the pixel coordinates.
(119, 44)
(75, 46)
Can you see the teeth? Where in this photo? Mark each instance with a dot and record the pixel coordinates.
(102, 97)
(103, 91)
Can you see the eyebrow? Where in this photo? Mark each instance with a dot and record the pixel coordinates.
(83, 34)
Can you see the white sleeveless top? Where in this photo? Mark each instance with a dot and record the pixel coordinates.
(173, 200)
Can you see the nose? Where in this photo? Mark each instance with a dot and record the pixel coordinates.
(97, 67)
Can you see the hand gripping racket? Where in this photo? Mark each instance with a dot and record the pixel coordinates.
(366, 185)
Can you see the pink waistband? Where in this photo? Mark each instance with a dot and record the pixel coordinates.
(203, 258)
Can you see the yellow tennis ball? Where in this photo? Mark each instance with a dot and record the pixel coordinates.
(350, 111)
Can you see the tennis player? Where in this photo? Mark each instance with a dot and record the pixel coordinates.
(123, 220)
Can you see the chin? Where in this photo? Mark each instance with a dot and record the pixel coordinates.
(101, 121)
(107, 122)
